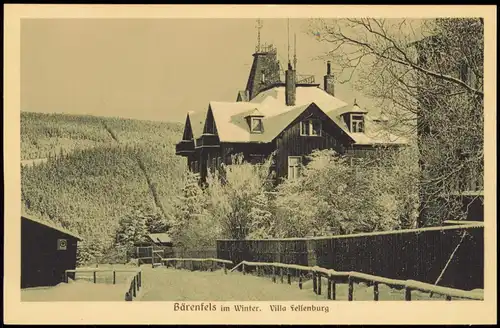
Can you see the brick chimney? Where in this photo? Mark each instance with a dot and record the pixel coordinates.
(290, 86)
(329, 85)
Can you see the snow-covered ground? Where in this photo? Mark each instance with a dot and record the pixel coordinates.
(79, 290)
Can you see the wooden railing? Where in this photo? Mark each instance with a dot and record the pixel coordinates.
(184, 147)
(134, 281)
(306, 79)
(333, 277)
(185, 261)
(265, 48)
(208, 140)
(416, 253)
(135, 284)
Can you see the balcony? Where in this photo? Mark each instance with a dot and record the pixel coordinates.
(305, 79)
(185, 147)
(300, 78)
(208, 140)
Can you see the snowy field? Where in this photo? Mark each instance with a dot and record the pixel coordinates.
(166, 284)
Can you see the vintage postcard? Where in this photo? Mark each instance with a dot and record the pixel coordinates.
(250, 164)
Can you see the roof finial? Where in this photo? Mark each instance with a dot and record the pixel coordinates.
(288, 37)
(295, 51)
(355, 102)
(259, 27)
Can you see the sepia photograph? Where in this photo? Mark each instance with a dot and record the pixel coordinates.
(253, 165)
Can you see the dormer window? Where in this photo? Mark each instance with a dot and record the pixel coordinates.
(357, 123)
(256, 125)
(310, 127)
(254, 120)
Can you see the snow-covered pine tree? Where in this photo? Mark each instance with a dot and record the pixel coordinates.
(189, 209)
(261, 218)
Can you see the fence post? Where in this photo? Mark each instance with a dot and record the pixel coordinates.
(136, 277)
(134, 292)
(288, 276)
(243, 269)
(95, 277)
(281, 275)
(66, 276)
(114, 277)
(351, 289)
(225, 269)
(334, 289)
(257, 270)
(407, 294)
(311, 252)
(300, 281)
(315, 282)
(375, 291)
(128, 296)
(274, 274)
(140, 278)
(319, 283)
(329, 287)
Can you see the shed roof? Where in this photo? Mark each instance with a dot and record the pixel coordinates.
(52, 225)
(162, 238)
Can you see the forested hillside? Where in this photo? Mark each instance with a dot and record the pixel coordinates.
(98, 171)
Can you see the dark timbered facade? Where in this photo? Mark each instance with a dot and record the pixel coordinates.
(290, 119)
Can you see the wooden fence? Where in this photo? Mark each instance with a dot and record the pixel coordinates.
(333, 277)
(178, 252)
(133, 278)
(419, 254)
(145, 254)
(197, 263)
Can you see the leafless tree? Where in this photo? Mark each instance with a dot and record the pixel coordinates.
(427, 78)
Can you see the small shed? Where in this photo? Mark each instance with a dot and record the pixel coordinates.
(157, 243)
(47, 251)
(161, 239)
(157, 239)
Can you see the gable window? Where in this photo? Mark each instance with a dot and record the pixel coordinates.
(310, 127)
(294, 166)
(357, 123)
(257, 126)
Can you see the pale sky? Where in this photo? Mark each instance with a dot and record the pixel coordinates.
(152, 69)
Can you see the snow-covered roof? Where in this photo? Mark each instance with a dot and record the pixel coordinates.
(232, 126)
(197, 120)
(51, 225)
(162, 238)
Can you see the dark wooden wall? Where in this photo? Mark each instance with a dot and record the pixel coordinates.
(287, 143)
(291, 143)
(247, 149)
(418, 255)
(41, 263)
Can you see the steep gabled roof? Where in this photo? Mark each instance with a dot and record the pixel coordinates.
(242, 96)
(51, 225)
(232, 126)
(197, 121)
